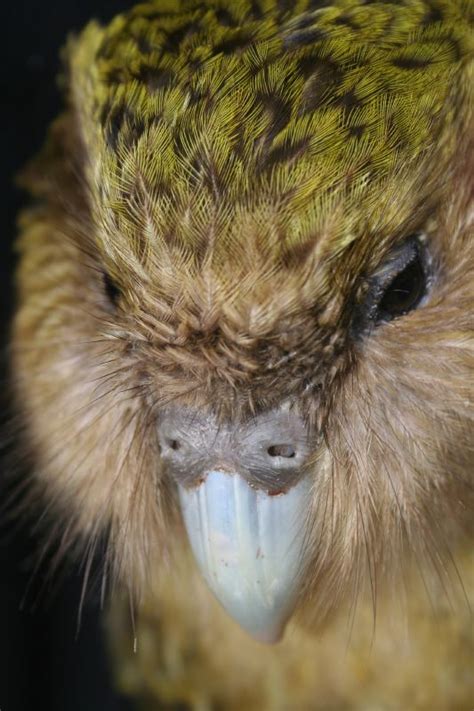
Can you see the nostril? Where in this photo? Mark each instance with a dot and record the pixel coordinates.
(281, 450)
(173, 444)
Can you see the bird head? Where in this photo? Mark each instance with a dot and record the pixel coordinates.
(244, 298)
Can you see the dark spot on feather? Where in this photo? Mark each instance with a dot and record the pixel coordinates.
(255, 11)
(285, 154)
(434, 14)
(224, 18)
(116, 76)
(239, 42)
(457, 52)
(357, 131)
(411, 63)
(284, 6)
(279, 113)
(201, 96)
(239, 143)
(176, 37)
(303, 37)
(137, 127)
(296, 256)
(346, 21)
(143, 45)
(320, 67)
(113, 123)
(195, 65)
(105, 50)
(321, 76)
(157, 15)
(348, 101)
(156, 79)
(319, 4)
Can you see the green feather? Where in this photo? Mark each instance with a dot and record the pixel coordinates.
(209, 126)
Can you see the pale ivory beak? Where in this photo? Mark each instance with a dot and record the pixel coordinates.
(249, 546)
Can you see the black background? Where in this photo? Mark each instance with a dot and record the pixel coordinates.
(44, 662)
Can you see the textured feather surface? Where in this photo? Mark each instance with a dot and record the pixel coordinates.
(234, 151)
(216, 129)
(240, 170)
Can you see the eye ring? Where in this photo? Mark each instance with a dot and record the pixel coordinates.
(398, 286)
(404, 292)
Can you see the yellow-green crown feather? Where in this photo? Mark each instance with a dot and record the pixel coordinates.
(207, 123)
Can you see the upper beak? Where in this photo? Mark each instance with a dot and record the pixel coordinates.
(250, 547)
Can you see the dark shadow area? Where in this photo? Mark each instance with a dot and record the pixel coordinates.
(44, 662)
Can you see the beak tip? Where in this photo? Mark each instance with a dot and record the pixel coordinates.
(249, 547)
(266, 626)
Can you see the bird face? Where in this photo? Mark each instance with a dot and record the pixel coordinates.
(244, 305)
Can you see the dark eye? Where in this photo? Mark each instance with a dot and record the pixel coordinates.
(404, 292)
(111, 289)
(397, 287)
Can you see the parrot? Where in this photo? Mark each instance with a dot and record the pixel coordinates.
(242, 349)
